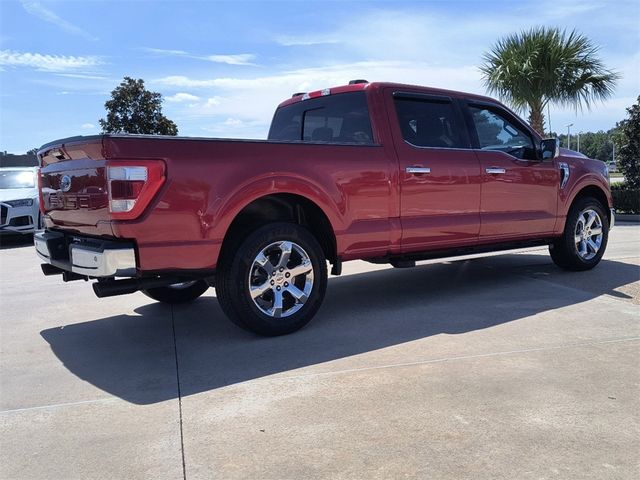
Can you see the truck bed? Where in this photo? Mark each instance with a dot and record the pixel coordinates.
(207, 182)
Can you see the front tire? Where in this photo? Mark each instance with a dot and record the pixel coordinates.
(274, 283)
(178, 293)
(585, 236)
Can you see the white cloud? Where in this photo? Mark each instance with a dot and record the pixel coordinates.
(52, 63)
(463, 77)
(183, 81)
(182, 97)
(213, 101)
(238, 59)
(253, 100)
(241, 59)
(162, 51)
(88, 126)
(82, 76)
(305, 40)
(422, 46)
(38, 10)
(234, 128)
(233, 122)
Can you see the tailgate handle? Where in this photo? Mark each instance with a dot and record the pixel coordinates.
(417, 170)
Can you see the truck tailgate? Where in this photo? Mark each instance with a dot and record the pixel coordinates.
(73, 182)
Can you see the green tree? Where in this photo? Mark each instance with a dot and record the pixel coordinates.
(531, 69)
(628, 155)
(598, 145)
(134, 109)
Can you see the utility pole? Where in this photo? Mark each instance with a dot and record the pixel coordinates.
(578, 141)
(613, 144)
(569, 135)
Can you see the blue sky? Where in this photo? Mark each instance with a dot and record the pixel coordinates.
(222, 67)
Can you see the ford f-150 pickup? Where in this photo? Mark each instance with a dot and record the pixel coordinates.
(383, 172)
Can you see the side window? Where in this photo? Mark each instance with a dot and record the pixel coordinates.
(342, 118)
(426, 123)
(495, 132)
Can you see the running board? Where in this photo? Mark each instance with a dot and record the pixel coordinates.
(409, 259)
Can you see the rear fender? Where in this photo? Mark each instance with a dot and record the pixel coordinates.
(258, 188)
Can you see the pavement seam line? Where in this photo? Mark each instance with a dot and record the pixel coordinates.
(450, 359)
(58, 405)
(175, 351)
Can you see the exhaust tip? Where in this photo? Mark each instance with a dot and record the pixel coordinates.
(49, 269)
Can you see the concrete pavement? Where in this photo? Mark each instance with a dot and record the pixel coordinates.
(498, 367)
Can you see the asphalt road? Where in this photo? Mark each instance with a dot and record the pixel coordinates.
(499, 367)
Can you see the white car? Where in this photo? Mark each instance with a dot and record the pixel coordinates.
(19, 201)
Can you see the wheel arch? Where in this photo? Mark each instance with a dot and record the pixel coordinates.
(279, 207)
(594, 191)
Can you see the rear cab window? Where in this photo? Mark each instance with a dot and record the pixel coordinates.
(430, 121)
(340, 118)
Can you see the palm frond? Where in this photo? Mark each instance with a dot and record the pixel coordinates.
(542, 65)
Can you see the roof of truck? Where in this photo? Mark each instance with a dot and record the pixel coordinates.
(377, 85)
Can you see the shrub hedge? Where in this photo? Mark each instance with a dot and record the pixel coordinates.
(625, 200)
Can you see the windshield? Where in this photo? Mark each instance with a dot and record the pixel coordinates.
(16, 179)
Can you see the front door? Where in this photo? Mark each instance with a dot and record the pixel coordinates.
(519, 191)
(439, 173)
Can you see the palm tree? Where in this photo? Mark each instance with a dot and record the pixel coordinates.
(546, 65)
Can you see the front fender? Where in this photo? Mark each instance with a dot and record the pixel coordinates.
(589, 180)
(581, 180)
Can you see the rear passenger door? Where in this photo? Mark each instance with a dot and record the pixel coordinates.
(439, 174)
(519, 190)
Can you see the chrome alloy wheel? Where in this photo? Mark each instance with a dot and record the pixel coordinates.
(588, 234)
(281, 279)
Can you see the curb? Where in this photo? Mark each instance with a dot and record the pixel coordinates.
(627, 218)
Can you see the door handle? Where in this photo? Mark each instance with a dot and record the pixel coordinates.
(495, 170)
(417, 170)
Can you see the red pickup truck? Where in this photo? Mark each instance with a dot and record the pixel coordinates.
(383, 172)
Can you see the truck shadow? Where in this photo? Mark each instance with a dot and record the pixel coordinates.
(133, 356)
(15, 241)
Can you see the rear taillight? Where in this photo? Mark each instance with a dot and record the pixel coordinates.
(40, 195)
(132, 186)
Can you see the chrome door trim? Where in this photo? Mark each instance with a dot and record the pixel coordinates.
(565, 174)
(495, 170)
(417, 170)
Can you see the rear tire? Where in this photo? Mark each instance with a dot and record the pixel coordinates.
(274, 283)
(585, 236)
(178, 293)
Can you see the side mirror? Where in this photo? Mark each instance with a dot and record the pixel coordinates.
(549, 148)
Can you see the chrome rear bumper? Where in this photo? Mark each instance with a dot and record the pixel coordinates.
(90, 257)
